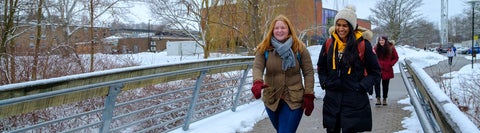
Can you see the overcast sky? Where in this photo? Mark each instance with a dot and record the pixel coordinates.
(430, 9)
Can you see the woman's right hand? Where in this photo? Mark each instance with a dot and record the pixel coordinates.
(331, 82)
(257, 88)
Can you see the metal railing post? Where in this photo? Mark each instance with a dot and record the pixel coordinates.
(191, 109)
(240, 88)
(109, 106)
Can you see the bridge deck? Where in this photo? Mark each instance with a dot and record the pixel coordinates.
(386, 119)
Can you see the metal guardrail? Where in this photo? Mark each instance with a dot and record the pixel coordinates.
(156, 98)
(436, 112)
(417, 102)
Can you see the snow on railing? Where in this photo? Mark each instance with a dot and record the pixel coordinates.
(440, 114)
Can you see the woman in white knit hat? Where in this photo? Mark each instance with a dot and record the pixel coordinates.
(347, 72)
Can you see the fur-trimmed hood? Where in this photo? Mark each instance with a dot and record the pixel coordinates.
(366, 34)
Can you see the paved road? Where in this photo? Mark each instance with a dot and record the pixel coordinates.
(436, 71)
(386, 119)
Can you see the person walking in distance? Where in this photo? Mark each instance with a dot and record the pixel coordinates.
(387, 57)
(347, 69)
(288, 80)
(450, 54)
(454, 50)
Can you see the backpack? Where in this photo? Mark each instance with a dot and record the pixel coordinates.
(298, 57)
(361, 51)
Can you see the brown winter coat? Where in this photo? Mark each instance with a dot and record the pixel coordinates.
(286, 85)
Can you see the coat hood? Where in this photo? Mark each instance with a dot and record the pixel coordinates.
(367, 34)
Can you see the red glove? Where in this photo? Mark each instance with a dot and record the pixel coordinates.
(308, 103)
(257, 88)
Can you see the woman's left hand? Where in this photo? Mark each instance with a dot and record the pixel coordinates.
(308, 104)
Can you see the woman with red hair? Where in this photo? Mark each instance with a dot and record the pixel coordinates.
(283, 69)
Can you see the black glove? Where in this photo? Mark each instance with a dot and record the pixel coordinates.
(358, 87)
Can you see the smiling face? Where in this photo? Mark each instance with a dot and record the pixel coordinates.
(381, 41)
(281, 31)
(341, 27)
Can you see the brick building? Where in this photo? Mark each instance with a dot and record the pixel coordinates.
(55, 40)
(137, 40)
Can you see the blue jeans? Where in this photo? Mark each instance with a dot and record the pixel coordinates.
(285, 120)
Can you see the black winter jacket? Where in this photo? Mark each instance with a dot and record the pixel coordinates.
(346, 94)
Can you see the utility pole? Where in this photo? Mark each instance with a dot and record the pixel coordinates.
(473, 29)
(444, 24)
(149, 44)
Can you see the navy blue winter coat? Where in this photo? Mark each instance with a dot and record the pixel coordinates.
(346, 94)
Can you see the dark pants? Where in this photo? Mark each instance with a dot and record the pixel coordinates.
(384, 88)
(450, 60)
(338, 128)
(285, 120)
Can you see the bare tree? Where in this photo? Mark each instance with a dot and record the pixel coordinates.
(396, 17)
(303, 32)
(260, 14)
(37, 41)
(424, 33)
(75, 15)
(230, 22)
(459, 30)
(188, 16)
(242, 22)
(13, 25)
(63, 14)
(8, 29)
(253, 6)
(96, 9)
(461, 25)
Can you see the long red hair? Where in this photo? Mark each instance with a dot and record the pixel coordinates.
(265, 44)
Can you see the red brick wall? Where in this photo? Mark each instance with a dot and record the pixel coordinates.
(364, 23)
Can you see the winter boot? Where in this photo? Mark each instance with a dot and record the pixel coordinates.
(384, 102)
(378, 102)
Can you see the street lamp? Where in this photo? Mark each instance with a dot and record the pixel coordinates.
(473, 27)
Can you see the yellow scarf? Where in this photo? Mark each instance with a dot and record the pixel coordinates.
(341, 46)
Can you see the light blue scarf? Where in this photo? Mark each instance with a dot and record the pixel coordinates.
(285, 51)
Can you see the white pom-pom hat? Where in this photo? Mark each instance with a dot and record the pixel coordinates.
(348, 14)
